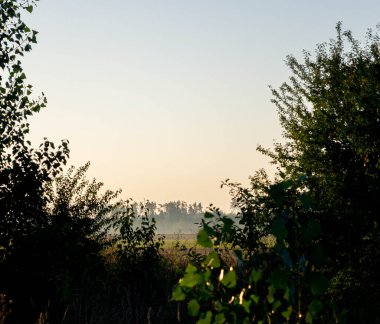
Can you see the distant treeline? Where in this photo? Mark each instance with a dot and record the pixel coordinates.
(173, 216)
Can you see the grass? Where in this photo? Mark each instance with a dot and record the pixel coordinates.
(175, 240)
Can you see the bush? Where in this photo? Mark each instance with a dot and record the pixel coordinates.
(281, 280)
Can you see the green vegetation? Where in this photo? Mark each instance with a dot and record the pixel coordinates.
(303, 249)
(321, 209)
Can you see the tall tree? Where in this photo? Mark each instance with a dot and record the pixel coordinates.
(313, 232)
(330, 113)
(24, 171)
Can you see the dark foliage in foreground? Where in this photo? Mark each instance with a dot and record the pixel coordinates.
(57, 262)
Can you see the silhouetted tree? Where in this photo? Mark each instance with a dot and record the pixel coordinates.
(330, 113)
(23, 170)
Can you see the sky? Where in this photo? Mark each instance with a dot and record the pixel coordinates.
(168, 98)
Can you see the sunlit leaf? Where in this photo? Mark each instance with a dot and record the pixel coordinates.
(191, 277)
(212, 260)
(229, 279)
(191, 268)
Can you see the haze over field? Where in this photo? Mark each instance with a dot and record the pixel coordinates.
(168, 98)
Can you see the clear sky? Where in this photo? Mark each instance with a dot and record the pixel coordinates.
(167, 98)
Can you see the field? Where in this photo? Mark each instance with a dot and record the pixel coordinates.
(176, 240)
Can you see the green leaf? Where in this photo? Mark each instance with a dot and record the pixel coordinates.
(206, 294)
(287, 313)
(246, 304)
(191, 268)
(212, 260)
(206, 319)
(315, 308)
(255, 298)
(220, 318)
(193, 308)
(218, 306)
(287, 294)
(210, 231)
(29, 9)
(270, 297)
(191, 277)
(178, 294)
(203, 239)
(256, 275)
(276, 304)
(209, 214)
(309, 318)
(229, 279)
(227, 224)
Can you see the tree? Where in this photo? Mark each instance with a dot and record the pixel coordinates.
(330, 115)
(313, 230)
(24, 171)
(70, 249)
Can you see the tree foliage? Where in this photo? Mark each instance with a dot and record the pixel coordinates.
(276, 279)
(330, 114)
(23, 169)
(73, 198)
(321, 209)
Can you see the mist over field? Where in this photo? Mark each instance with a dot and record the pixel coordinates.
(174, 217)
